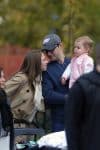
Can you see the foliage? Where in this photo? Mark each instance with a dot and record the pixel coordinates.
(26, 22)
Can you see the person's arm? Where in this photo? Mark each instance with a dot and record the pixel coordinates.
(13, 84)
(48, 91)
(73, 116)
(88, 65)
(67, 72)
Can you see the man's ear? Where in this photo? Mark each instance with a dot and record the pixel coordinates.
(61, 44)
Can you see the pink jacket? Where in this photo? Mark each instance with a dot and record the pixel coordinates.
(77, 67)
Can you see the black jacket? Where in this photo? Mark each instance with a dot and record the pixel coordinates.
(6, 117)
(83, 113)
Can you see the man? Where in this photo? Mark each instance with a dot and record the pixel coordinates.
(53, 91)
(83, 111)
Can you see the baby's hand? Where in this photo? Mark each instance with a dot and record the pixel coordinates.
(63, 80)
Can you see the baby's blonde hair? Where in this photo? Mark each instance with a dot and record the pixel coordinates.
(87, 42)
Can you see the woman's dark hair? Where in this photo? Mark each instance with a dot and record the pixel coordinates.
(31, 65)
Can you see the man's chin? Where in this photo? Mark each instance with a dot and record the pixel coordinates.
(44, 69)
(53, 59)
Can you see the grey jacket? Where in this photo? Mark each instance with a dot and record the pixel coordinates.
(21, 95)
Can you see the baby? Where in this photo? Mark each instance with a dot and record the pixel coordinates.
(81, 62)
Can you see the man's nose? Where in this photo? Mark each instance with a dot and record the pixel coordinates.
(49, 53)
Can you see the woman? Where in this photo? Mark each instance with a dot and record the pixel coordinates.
(21, 88)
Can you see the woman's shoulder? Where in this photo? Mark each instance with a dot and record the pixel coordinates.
(19, 76)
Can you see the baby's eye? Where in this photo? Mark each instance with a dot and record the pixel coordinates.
(77, 47)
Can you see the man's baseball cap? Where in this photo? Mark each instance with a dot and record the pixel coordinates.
(50, 42)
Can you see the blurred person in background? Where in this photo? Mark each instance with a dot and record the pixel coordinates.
(82, 111)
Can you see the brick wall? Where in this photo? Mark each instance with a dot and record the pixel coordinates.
(10, 63)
